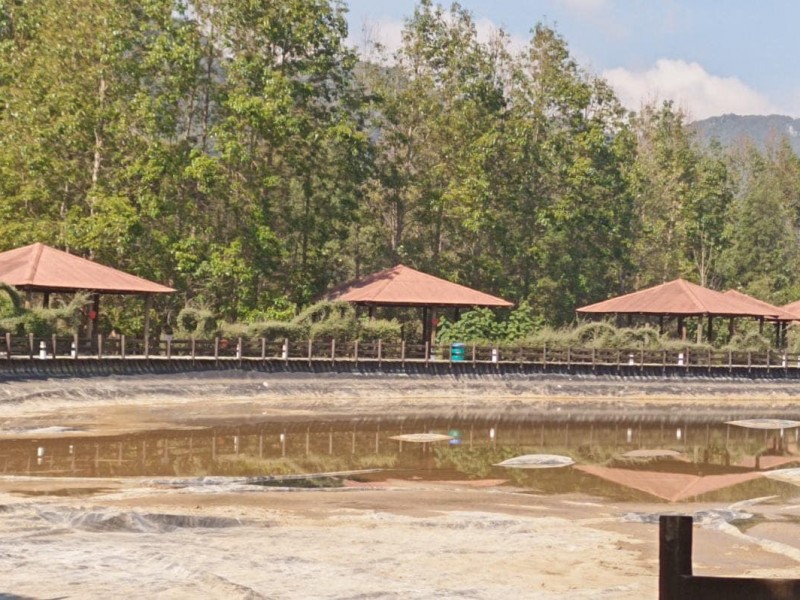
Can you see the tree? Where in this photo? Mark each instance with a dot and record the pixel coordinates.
(762, 258)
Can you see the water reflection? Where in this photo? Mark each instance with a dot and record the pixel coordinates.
(715, 461)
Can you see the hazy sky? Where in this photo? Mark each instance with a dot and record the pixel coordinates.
(710, 56)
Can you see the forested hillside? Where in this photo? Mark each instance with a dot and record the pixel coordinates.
(243, 153)
(762, 130)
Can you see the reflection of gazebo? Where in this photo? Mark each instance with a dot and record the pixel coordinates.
(680, 299)
(40, 268)
(670, 486)
(403, 286)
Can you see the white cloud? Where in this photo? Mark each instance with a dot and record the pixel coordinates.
(584, 6)
(389, 34)
(691, 87)
(386, 32)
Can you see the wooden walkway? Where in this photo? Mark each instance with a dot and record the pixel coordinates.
(30, 353)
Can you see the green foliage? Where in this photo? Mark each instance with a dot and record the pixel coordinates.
(379, 329)
(239, 152)
(482, 325)
(195, 322)
(323, 311)
(478, 325)
(44, 322)
(277, 330)
(749, 340)
(10, 300)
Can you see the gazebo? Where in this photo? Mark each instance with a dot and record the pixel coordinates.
(402, 286)
(681, 299)
(40, 268)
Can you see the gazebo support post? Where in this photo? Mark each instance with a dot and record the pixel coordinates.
(660, 324)
(761, 325)
(731, 327)
(710, 329)
(426, 334)
(148, 304)
(777, 334)
(700, 329)
(681, 329)
(91, 328)
(46, 300)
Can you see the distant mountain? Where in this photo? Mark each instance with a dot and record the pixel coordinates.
(728, 129)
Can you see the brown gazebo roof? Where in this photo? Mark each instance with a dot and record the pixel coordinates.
(678, 298)
(777, 313)
(793, 308)
(41, 268)
(404, 286)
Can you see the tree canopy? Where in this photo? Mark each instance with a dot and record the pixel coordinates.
(244, 154)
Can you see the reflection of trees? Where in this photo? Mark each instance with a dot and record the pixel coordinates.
(475, 463)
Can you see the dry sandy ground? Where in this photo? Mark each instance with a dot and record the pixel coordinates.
(392, 540)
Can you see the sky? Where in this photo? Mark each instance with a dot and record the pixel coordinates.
(711, 57)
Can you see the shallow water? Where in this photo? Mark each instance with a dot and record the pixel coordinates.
(717, 461)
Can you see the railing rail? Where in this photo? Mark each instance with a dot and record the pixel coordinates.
(222, 349)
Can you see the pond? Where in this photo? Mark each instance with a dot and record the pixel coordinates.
(678, 460)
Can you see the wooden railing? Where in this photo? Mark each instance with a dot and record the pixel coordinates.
(314, 351)
(676, 581)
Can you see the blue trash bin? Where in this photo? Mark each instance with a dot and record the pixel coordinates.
(457, 351)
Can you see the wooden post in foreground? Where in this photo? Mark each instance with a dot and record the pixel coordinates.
(674, 556)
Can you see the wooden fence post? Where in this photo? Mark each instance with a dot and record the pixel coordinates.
(403, 352)
(355, 351)
(76, 346)
(54, 342)
(380, 351)
(427, 352)
(30, 346)
(100, 345)
(310, 350)
(674, 556)
(8, 345)
(333, 350)
(216, 350)
(193, 344)
(122, 346)
(263, 349)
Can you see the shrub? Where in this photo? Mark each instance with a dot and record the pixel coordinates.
(277, 330)
(13, 301)
(196, 322)
(379, 329)
(323, 311)
(232, 330)
(340, 329)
